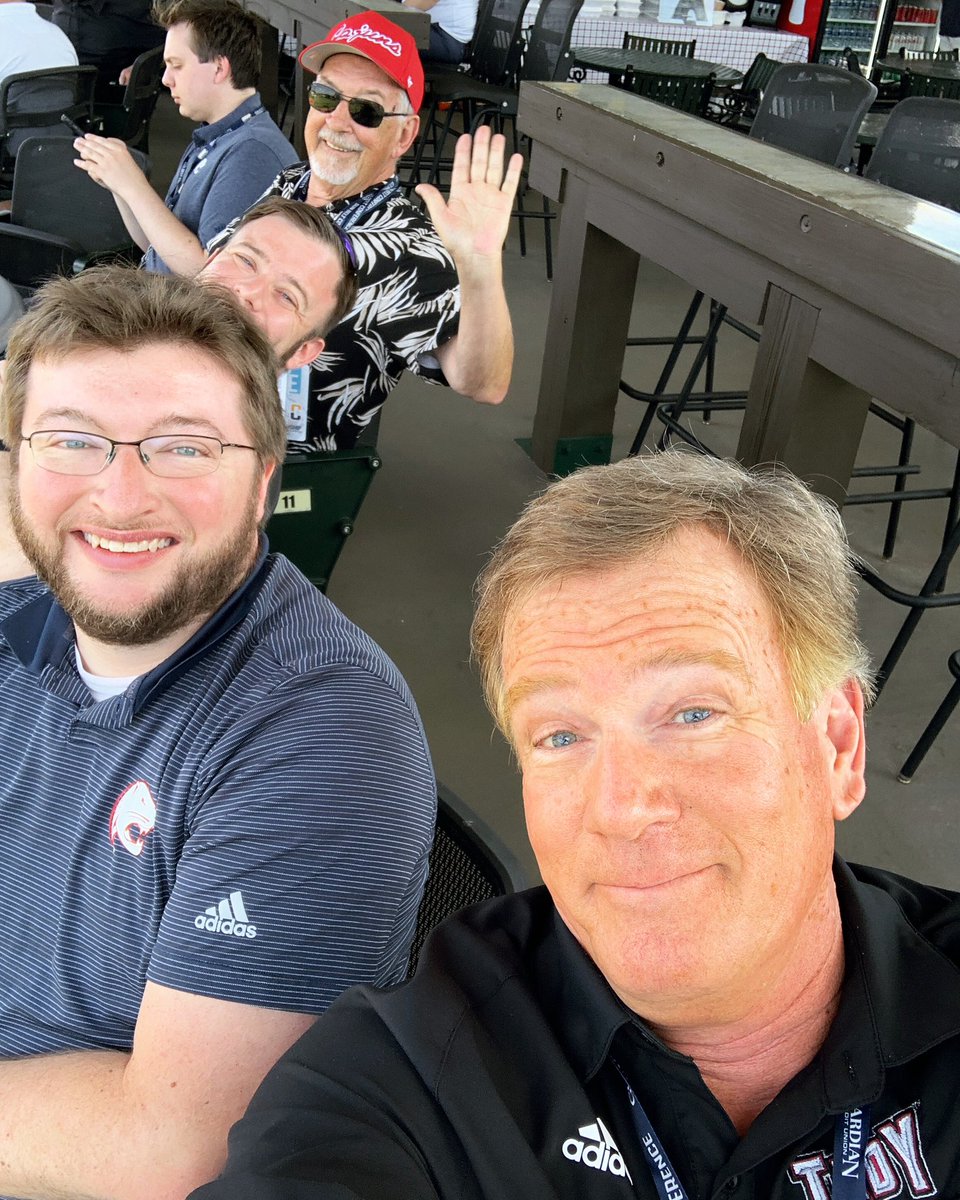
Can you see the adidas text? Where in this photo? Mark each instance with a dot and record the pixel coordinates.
(596, 1148)
(229, 917)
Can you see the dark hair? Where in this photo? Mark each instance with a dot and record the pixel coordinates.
(317, 224)
(123, 308)
(218, 29)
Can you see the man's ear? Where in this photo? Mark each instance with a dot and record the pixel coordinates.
(847, 738)
(304, 354)
(263, 490)
(410, 127)
(222, 71)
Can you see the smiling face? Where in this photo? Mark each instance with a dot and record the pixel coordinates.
(192, 83)
(680, 811)
(345, 158)
(285, 278)
(136, 559)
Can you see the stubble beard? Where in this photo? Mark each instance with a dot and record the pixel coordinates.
(198, 588)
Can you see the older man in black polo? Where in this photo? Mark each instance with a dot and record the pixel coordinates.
(703, 1000)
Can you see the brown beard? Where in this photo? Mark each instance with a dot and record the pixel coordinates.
(197, 590)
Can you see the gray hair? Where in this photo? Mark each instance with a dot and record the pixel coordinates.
(791, 540)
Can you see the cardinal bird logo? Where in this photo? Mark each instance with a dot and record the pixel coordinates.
(133, 818)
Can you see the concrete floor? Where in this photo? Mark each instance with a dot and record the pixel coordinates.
(454, 478)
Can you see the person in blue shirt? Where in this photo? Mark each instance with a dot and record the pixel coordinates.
(212, 56)
(217, 800)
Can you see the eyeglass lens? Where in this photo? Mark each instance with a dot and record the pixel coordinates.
(367, 113)
(171, 456)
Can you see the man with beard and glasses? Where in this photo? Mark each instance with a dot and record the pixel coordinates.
(431, 297)
(217, 800)
(289, 267)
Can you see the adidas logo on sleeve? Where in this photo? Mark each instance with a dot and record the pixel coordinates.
(229, 917)
(596, 1148)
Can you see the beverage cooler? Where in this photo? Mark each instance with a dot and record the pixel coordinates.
(871, 28)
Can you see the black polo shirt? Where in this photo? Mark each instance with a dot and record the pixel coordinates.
(491, 1075)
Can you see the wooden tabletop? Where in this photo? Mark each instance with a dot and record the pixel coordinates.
(647, 62)
(846, 276)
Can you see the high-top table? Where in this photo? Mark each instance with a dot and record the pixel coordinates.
(735, 47)
(930, 68)
(846, 276)
(617, 61)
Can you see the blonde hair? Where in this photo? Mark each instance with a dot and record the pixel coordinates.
(791, 540)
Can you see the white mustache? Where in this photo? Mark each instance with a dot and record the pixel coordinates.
(339, 141)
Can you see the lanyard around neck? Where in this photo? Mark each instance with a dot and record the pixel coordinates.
(358, 206)
(188, 168)
(851, 1134)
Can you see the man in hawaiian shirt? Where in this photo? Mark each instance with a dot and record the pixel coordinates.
(431, 297)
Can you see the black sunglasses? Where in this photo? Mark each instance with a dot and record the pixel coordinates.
(367, 113)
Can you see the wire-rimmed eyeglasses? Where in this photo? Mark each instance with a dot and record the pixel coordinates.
(169, 455)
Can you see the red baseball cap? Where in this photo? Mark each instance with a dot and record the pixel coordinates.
(373, 37)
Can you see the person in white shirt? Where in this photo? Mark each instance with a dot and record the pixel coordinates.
(29, 43)
(452, 24)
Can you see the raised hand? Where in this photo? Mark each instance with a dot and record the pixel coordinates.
(473, 221)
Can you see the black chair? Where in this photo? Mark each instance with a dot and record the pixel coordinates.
(652, 45)
(895, 83)
(28, 258)
(924, 85)
(929, 55)
(60, 220)
(815, 110)
(32, 103)
(546, 58)
(468, 863)
(689, 94)
(497, 43)
(320, 497)
(129, 118)
(649, 45)
(484, 9)
(494, 58)
(738, 105)
(918, 150)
